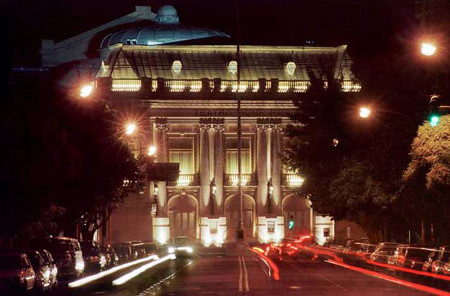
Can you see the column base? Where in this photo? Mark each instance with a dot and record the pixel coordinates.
(161, 229)
(270, 229)
(213, 231)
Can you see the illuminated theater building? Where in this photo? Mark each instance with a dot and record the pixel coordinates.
(183, 98)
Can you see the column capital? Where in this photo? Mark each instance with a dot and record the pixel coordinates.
(161, 124)
(218, 124)
(264, 124)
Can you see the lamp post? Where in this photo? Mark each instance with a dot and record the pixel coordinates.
(269, 196)
(213, 196)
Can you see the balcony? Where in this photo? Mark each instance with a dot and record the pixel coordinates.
(185, 180)
(292, 180)
(233, 179)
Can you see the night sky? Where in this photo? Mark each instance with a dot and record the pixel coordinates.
(365, 25)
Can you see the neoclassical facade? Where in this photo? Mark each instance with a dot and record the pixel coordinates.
(183, 99)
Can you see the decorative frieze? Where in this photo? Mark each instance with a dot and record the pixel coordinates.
(218, 124)
(269, 123)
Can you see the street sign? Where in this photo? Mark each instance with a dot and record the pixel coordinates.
(163, 171)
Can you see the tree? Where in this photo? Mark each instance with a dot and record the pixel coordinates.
(427, 179)
(60, 154)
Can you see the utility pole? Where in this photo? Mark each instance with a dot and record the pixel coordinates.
(240, 229)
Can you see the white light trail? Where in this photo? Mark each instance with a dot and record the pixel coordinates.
(125, 278)
(99, 275)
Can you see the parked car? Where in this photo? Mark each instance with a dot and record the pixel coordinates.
(41, 269)
(110, 255)
(93, 257)
(123, 251)
(399, 251)
(413, 257)
(48, 259)
(365, 251)
(16, 273)
(442, 264)
(68, 256)
(150, 248)
(383, 251)
(431, 258)
(138, 249)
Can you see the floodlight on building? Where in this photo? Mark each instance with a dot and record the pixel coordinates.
(130, 128)
(364, 112)
(151, 150)
(427, 49)
(86, 90)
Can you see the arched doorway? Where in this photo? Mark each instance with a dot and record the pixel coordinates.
(232, 212)
(183, 216)
(297, 208)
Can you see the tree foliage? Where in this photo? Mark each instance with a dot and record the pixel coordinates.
(63, 162)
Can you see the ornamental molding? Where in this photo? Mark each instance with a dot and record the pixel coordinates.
(216, 124)
(161, 124)
(269, 124)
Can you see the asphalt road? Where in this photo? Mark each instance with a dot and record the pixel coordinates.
(244, 273)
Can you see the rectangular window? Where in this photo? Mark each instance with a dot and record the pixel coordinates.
(232, 156)
(271, 227)
(181, 150)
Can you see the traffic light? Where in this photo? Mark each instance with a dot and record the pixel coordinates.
(291, 222)
(434, 114)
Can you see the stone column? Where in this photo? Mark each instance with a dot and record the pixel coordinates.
(160, 223)
(261, 169)
(205, 179)
(218, 167)
(276, 169)
(162, 156)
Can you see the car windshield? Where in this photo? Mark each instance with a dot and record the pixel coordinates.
(419, 253)
(59, 247)
(10, 262)
(89, 249)
(36, 260)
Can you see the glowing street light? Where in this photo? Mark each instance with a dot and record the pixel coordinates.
(151, 150)
(130, 128)
(427, 49)
(86, 90)
(364, 112)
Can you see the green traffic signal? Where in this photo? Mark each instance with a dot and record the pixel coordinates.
(434, 119)
(291, 224)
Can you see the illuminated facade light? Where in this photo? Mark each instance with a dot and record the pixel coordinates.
(126, 85)
(176, 66)
(295, 180)
(130, 128)
(151, 150)
(232, 67)
(364, 112)
(235, 180)
(185, 180)
(427, 49)
(290, 68)
(86, 90)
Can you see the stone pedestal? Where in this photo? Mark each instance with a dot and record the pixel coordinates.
(213, 230)
(270, 229)
(161, 229)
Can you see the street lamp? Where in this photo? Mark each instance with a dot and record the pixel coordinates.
(427, 49)
(86, 90)
(130, 128)
(151, 150)
(364, 112)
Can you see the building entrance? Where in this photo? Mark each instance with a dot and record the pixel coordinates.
(248, 216)
(183, 216)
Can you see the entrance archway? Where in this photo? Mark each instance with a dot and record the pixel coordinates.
(248, 217)
(183, 211)
(297, 208)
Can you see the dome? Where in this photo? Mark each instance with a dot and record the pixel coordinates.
(168, 15)
(159, 34)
